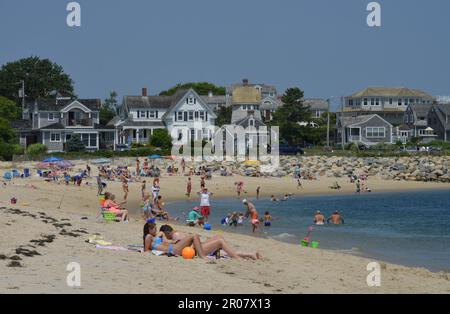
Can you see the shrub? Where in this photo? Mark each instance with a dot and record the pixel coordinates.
(36, 150)
(161, 138)
(75, 144)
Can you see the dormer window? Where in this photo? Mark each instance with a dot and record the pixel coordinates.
(251, 122)
(51, 117)
(191, 100)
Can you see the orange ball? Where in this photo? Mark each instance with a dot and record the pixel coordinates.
(188, 253)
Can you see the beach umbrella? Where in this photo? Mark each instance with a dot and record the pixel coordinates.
(53, 159)
(63, 164)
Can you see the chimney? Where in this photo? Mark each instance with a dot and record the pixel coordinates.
(144, 91)
(245, 82)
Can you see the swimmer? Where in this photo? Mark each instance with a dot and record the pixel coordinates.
(336, 218)
(267, 219)
(319, 218)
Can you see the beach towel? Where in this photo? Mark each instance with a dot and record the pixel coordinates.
(116, 248)
(99, 240)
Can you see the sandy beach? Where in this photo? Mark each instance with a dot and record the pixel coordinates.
(47, 223)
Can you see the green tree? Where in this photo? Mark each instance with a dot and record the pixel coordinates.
(202, 88)
(223, 115)
(109, 108)
(288, 116)
(8, 137)
(9, 109)
(75, 144)
(161, 138)
(42, 78)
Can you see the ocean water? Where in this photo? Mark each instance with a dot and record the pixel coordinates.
(410, 228)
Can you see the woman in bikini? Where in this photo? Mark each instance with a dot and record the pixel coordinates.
(202, 250)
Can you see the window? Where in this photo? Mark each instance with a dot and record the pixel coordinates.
(202, 115)
(377, 101)
(180, 115)
(93, 140)
(372, 102)
(191, 100)
(89, 139)
(251, 122)
(365, 102)
(350, 102)
(55, 137)
(399, 102)
(51, 117)
(391, 101)
(68, 137)
(191, 116)
(143, 114)
(375, 132)
(152, 114)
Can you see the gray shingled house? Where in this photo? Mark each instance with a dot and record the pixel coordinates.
(439, 121)
(365, 129)
(53, 122)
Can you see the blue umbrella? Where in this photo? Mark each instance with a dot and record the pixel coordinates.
(155, 157)
(53, 159)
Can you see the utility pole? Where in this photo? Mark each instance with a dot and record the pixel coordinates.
(328, 123)
(23, 97)
(342, 122)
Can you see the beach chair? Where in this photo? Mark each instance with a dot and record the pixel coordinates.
(7, 176)
(108, 216)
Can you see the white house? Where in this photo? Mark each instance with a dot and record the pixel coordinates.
(186, 115)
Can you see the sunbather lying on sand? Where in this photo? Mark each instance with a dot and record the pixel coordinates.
(153, 242)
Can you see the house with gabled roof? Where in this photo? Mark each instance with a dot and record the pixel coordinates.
(53, 122)
(186, 115)
(439, 120)
(416, 123)
(365, 129)
(390, 103)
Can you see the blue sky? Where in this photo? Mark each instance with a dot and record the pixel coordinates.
(323, 46)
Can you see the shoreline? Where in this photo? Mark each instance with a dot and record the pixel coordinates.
(286, 267)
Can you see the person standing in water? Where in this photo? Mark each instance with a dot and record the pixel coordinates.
(336, 218)
(252, 213)
(204, 203)
(319, 218)
(258, 189)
